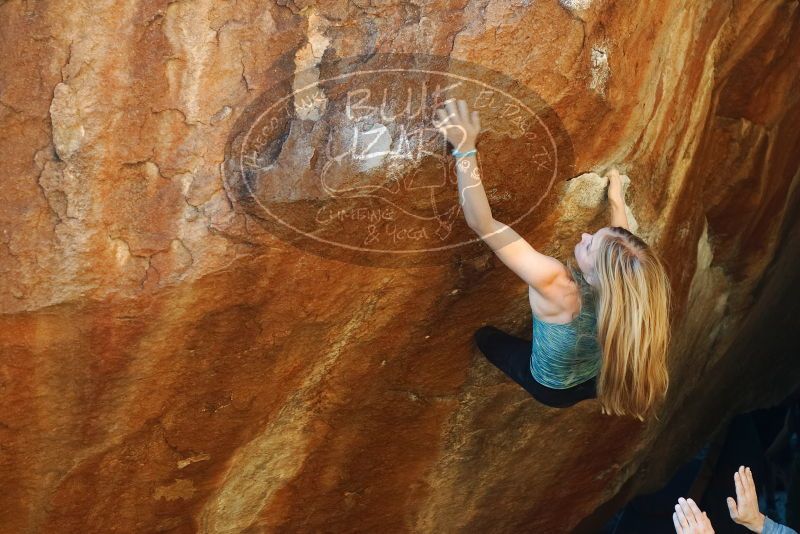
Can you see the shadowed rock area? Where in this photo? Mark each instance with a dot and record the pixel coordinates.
(171, 360)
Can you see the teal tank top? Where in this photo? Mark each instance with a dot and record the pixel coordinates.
(565, 355)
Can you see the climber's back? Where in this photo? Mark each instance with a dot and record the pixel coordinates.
(564, 355)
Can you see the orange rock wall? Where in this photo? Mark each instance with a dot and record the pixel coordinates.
(169, 366)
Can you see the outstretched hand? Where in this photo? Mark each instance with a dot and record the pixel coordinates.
(615, 186)
(744, 510)
(459, 126)
(688, 519)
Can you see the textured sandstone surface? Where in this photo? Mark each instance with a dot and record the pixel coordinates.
(170, 365)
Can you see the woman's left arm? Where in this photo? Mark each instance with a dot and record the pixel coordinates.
(461, 131)
(536, 269)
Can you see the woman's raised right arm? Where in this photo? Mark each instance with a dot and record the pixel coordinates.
(616, 199)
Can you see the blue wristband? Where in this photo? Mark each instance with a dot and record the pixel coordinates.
(458, 154)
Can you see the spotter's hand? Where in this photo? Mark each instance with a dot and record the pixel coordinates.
(744, 509)
(458, 126)
(689, 519)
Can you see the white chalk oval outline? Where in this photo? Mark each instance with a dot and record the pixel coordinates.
(423, 71)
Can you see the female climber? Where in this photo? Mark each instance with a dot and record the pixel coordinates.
(599, 330)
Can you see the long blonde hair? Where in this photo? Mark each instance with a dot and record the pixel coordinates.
(633, 325)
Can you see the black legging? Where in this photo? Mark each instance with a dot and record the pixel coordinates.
(512, 355)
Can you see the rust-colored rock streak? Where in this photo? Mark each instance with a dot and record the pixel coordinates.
(168, 365)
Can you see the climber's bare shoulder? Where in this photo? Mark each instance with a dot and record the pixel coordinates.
(552, 291)
(559, 302)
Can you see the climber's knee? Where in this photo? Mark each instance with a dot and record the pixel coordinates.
(482, 335)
